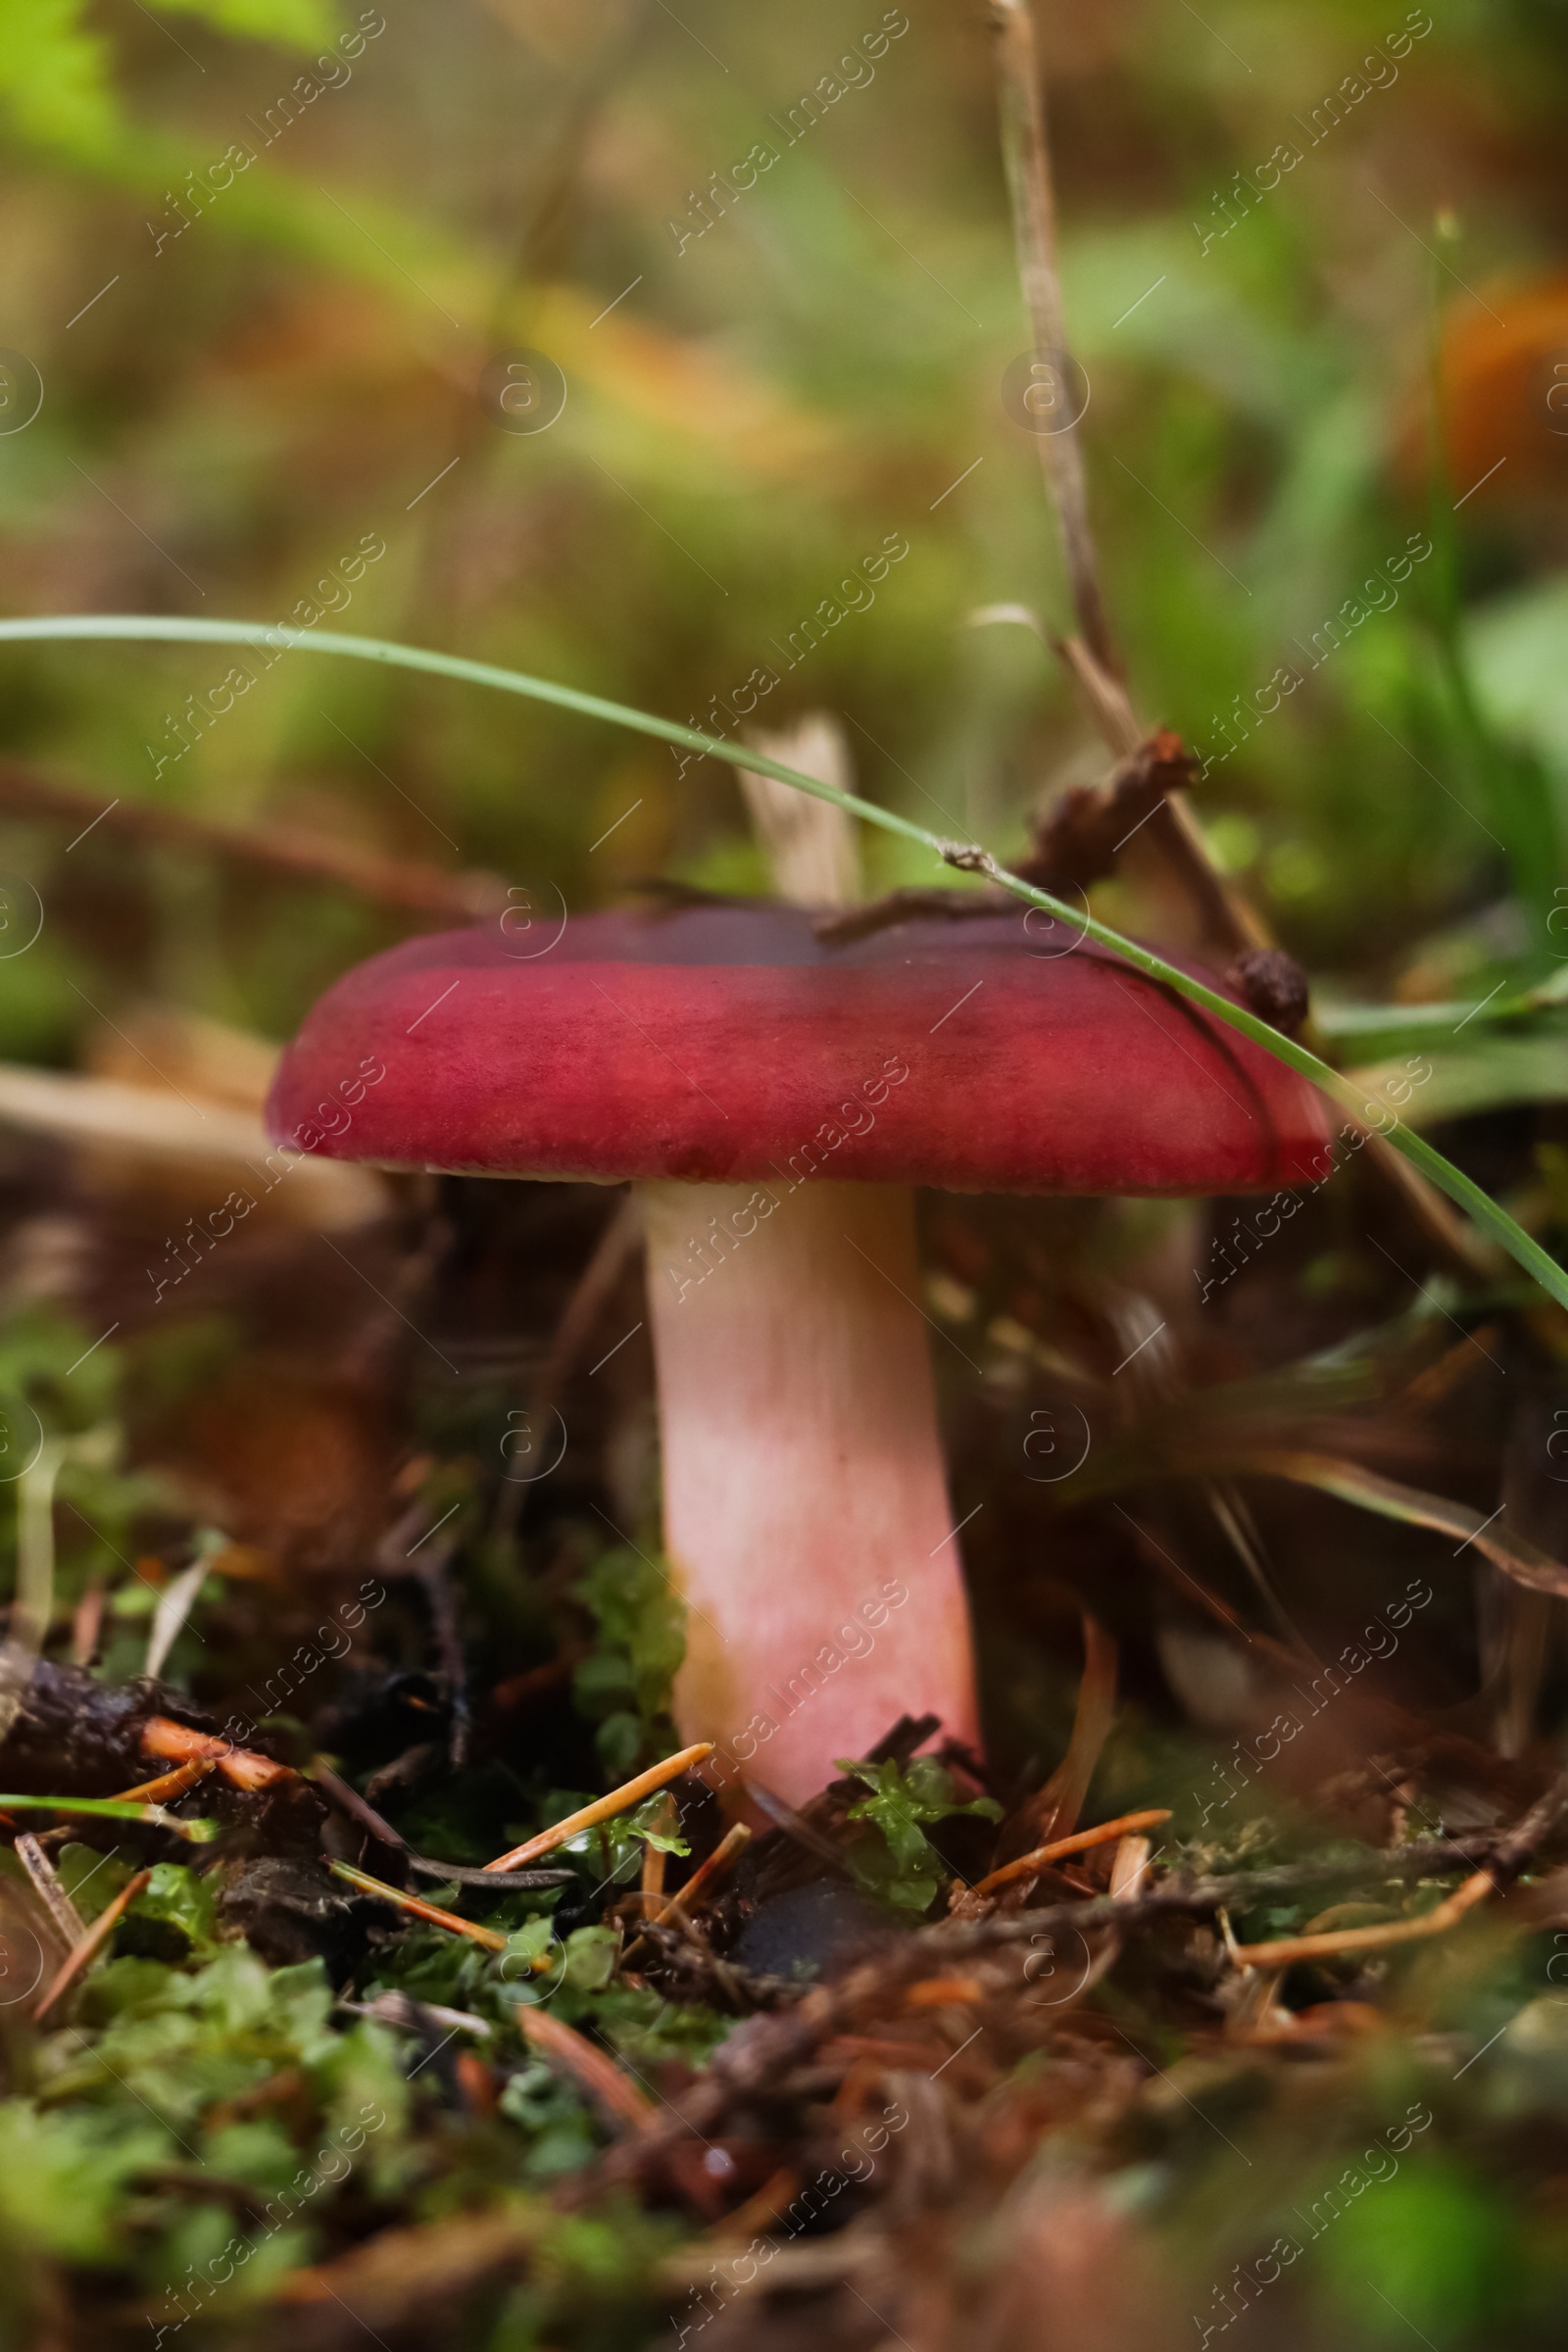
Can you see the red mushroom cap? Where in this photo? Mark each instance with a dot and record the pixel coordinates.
(725, 1042)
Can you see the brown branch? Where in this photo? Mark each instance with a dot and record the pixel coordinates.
(1285, 1950)
(1078, 840)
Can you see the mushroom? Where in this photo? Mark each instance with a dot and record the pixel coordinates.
(776, 1094)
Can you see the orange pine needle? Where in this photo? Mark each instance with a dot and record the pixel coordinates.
(418, 1908)
(1449, 1913)
(167, 1783)
(604, 1808)
(704, 1876)
(1029, 1866)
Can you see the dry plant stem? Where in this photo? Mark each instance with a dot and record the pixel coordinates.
(1104, 695)
(796, 1826)
(494, 1881)
(86, 1624)
(1029, 1866)
(1457, 1240)
(1028, 165)
(605, 1808)
(1091, 658)
(1231, 923)
(810, 845)
(98, 1934)
(1367, 1491)
(805, 1490)
(452, 1673)
(612, 1253)
(242, 1767)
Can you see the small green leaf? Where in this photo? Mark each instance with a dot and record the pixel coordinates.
(906, 1870)
(178, 1895)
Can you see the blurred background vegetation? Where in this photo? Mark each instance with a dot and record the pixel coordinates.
(247, 371)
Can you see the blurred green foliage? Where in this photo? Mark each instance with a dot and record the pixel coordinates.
(625, 1682)
(770, 397)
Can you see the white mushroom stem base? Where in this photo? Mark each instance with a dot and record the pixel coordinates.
(807, 1519)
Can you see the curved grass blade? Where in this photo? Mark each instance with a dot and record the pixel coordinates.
(1349, 1482)
(1525, 1562)
(1478, 1206)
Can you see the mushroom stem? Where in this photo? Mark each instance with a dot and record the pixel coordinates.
(806, 1518)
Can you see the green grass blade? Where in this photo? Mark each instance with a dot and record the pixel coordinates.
(114, 1808)
(1483, 1210)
